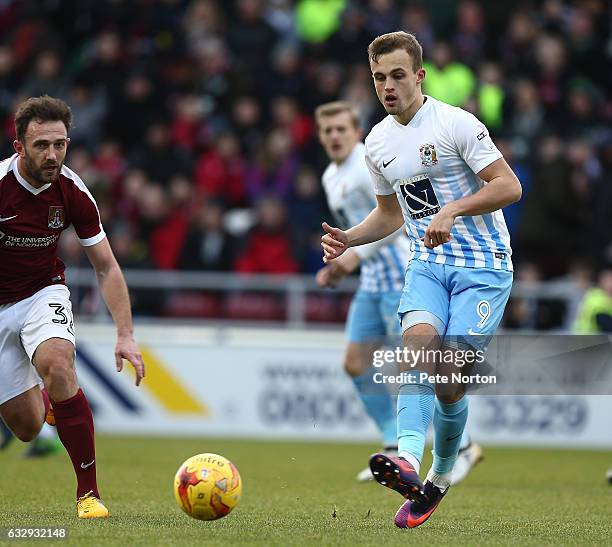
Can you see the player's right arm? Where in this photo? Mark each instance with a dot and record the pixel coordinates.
(385, 219)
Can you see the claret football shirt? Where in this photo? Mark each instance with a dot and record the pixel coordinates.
(31, 222)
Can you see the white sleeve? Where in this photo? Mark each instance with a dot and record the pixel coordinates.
(473, 141)
(381, 184)
(366, 251)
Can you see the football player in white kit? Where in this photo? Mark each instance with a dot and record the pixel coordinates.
(436, 169)
(372, 318)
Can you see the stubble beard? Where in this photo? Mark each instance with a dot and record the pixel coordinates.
(37, 174)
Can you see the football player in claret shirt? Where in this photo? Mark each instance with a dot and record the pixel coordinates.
(435, 169)
(39, 198)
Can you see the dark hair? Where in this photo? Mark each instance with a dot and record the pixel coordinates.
(386, 43)
(337, 107)
(44, 109)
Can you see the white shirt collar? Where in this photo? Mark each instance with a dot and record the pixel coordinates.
(24, 182)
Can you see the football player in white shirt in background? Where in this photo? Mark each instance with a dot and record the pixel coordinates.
(372, 318)
(434, 168)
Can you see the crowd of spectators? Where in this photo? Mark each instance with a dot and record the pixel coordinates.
(189, 111)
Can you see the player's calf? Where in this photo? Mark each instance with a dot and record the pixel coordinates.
(24, 414)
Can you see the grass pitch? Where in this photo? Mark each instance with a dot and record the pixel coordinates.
(299, 494)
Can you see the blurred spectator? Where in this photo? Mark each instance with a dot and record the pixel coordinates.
(447, 80)
(349, 45)
(524, 117)
(47, 76)
(202, 20)
(208, 246)
(516, 47)
(89, 108)
(381, 16)
(158, 157)
(269, 248)
(287, 116)
(104, 63)
(287, 78)
(247, 120)
(163, 226)
(133, 110)
(275, 169)
(416, 19)
(550, 56)
(307, 206)
(317, 20)
(279, 14)
(555, 219)
(595, 312)
(470, 38)
(251, 39)
(220, 172)
(188, 126)
(110, 163)
(490, 96)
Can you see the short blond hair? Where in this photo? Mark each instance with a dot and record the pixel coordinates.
(327, 110)
(386, 43)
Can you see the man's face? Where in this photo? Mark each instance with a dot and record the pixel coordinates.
(43, 151)
(338, 135)
(395, 82)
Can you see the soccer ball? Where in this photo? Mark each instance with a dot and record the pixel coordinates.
(207, 486)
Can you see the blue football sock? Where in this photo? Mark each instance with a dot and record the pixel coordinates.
(378, 404)
(414, 410)
(449, 422)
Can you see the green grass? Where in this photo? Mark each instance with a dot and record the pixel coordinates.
(297, 494)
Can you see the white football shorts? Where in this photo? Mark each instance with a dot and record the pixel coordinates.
(24, 325)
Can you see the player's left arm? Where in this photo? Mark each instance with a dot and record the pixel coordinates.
(473, 144)
(501, 188)
(115, 293)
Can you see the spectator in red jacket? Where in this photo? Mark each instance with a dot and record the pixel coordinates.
(268, 247)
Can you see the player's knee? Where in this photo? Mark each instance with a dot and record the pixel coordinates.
(448, 397)
(355, 361)
(54, 360)
(61, 372)
(352, 366)
(58, 369)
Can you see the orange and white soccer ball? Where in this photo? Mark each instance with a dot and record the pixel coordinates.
(207, 486)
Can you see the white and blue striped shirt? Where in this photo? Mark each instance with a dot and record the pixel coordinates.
(351, 198)
(430, 162)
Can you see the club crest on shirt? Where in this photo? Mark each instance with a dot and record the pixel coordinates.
(56, 216)
(428, 155)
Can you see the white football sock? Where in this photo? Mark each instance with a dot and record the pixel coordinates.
(441, 480)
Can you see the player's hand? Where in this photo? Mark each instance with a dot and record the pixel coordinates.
(334, 242)
(438, 231)
(126, 348)
(326, 276)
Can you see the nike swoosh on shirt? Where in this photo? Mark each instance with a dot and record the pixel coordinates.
(472, 333)
(7, 218)
(86, 465)
(387, 163)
